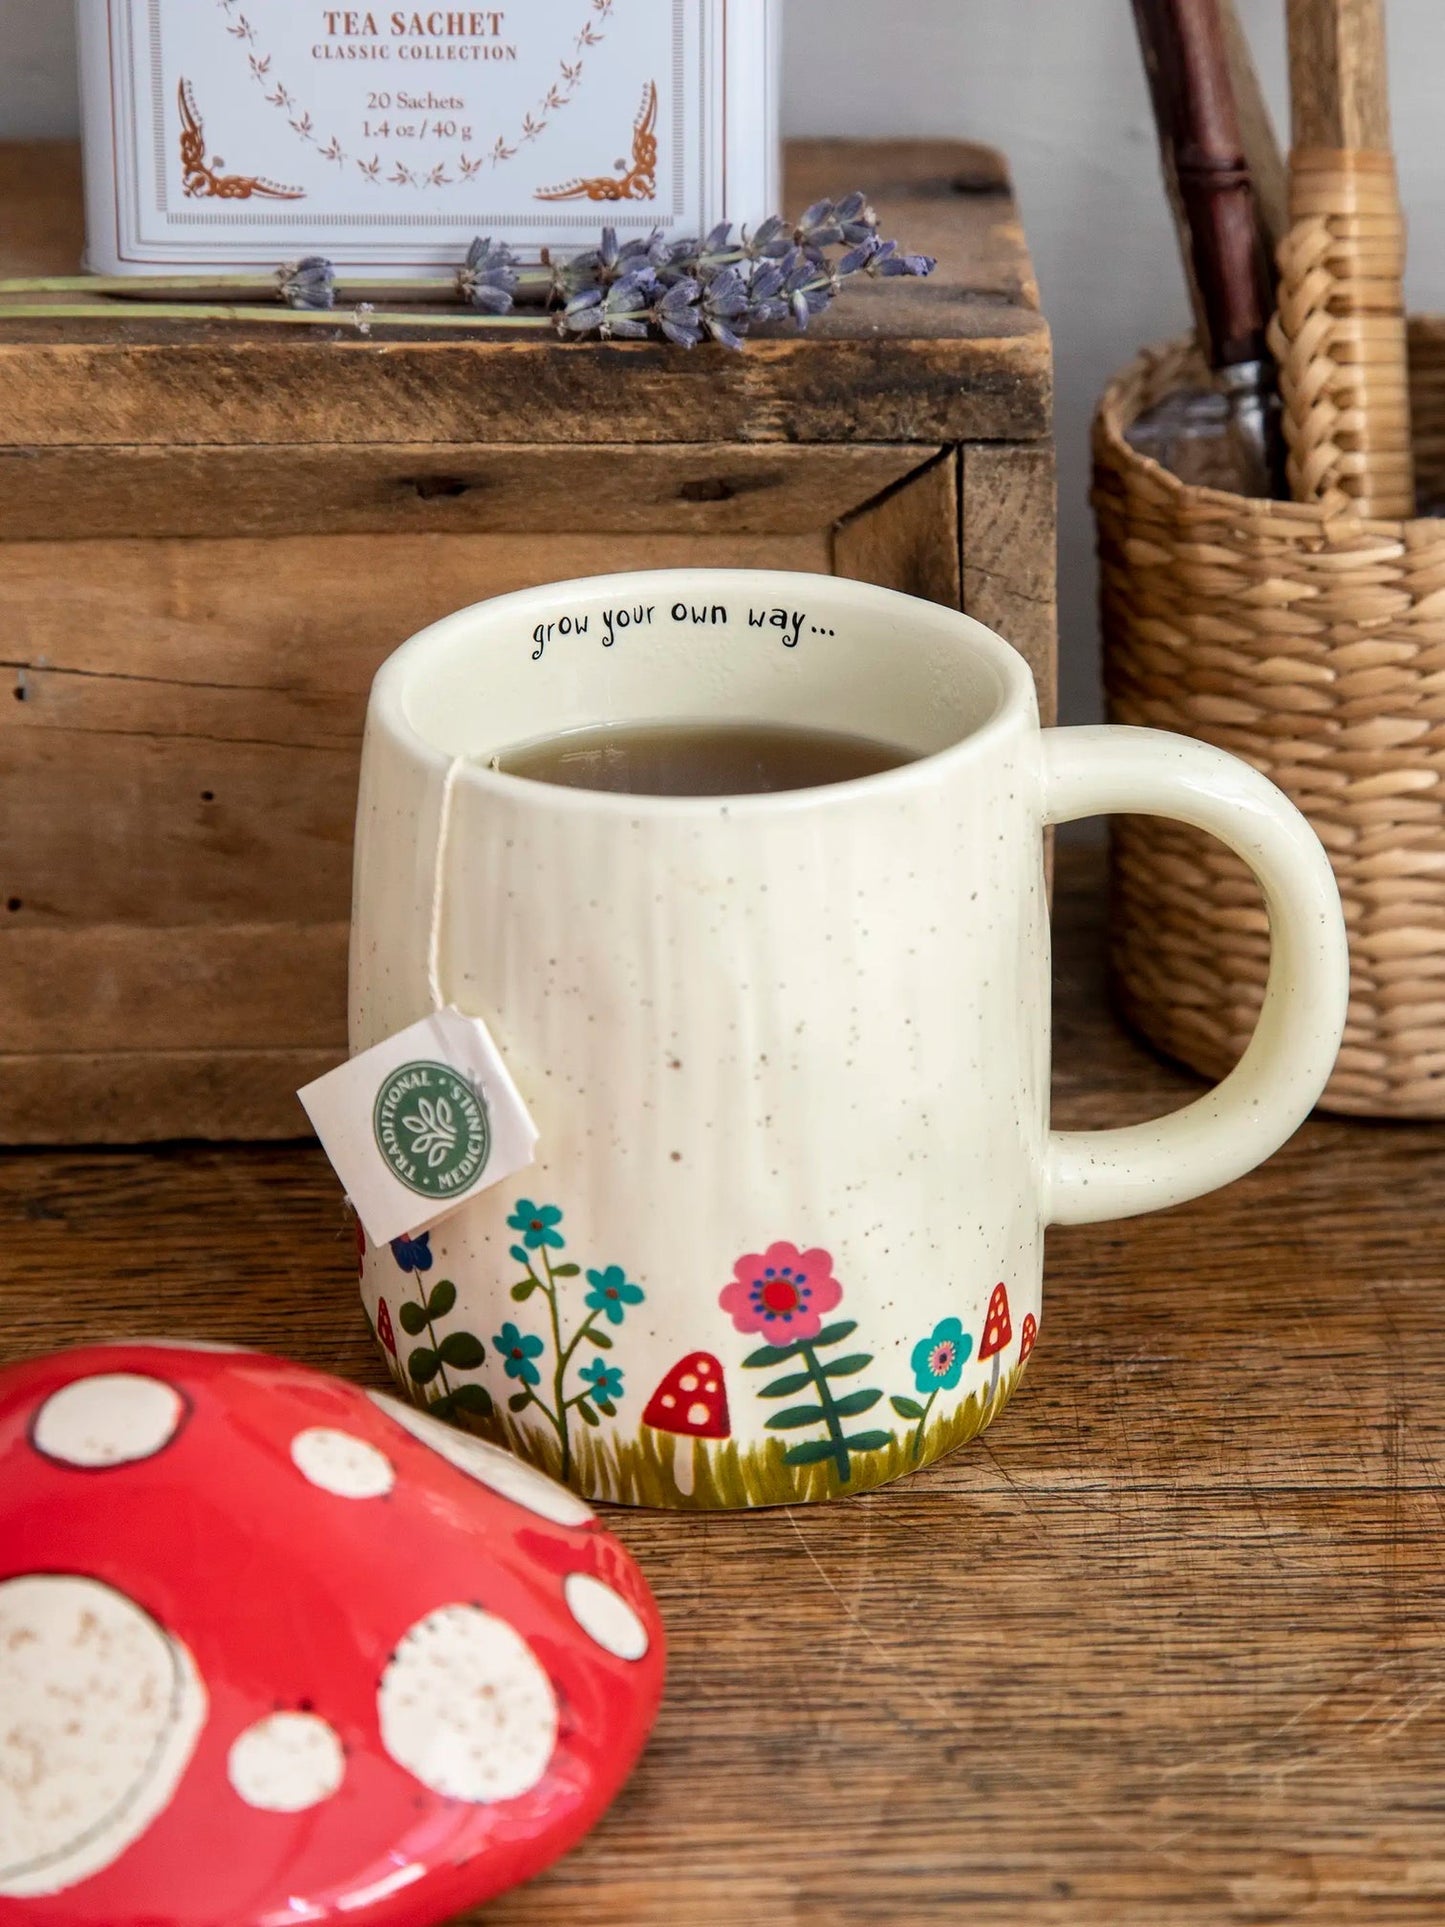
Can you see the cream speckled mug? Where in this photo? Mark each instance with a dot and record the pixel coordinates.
(788, 1054)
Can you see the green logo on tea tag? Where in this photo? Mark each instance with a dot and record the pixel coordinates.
(431, 1127)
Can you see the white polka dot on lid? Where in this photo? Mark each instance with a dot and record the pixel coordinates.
(687, 1383)
(102, 1711)
(112, 1418)
(338, 1463)
(286, 1763)
(698, 1413)
(605, 1617)
(491, 1466)
(465, 1706)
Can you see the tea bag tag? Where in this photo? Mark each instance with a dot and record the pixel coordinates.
(421, 1122)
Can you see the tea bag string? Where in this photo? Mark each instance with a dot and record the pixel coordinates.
(438, 884)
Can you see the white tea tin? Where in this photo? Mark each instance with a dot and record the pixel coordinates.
(238, 134)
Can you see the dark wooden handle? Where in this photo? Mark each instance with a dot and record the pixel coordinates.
(1186, 57)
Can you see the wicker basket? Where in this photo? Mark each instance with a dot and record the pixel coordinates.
(1314, 647)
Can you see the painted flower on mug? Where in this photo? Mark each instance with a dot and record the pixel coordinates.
(604, 1382)
(537, 1224)
(938, 1360)
(413, 1254)
(517, 1350)
(781, 1292)
(611, 1293)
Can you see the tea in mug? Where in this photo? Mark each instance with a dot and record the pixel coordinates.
(700, 759)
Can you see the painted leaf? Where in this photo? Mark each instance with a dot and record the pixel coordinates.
(588, 1414)
(597, 1338)
(443, 1297)
(523, 1289)
(850, 1406)
(868, 1441)
(423, 1365)
(812, 1452)
(519, 1401)
(473, 1398)
(845, 1367)
(774, 1354)
(834, 1334)
(464, 1350)
(413, 1318)
(906, 1407)
(565, 1271)
(782, 1387)
(606, 1405)
(796, 1415)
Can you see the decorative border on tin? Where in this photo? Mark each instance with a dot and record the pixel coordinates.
(123, 98)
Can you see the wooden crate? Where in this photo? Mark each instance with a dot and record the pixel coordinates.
(210, 540)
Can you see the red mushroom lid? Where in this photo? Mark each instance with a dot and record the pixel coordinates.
(692, 1400)
(274, 1648)
(1028, 1335)
(997, 1329)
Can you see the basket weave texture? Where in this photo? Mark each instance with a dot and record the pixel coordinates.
(1311, 642)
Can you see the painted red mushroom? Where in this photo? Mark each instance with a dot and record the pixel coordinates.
(691, 1403)
(997, 1331)
(274, 1648)
(1028, 1335)
(384, 1329)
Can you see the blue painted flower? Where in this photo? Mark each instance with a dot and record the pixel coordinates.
(537, 1224)
(938, 1361)
(516, 1351)
(611, 1292)
(604, 1381)
(413, 1254)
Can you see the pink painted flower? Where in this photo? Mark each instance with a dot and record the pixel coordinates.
(781, 1292)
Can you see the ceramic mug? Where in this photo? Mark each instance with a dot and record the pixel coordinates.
(788, 1054)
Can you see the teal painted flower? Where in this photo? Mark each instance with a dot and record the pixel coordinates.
(938, 1361)
(537, 1224)
(604, 1381)
(612, 1293)
(516, 1351)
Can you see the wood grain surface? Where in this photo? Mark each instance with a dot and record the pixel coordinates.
(1165, 1648)
(977, 362)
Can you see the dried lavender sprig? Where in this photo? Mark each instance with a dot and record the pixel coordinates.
(308, 283)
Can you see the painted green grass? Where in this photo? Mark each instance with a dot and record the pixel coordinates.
(645, 1471)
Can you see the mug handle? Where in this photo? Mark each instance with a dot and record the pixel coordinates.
(1091, 1175)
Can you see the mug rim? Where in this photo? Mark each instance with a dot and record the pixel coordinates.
(387, 701)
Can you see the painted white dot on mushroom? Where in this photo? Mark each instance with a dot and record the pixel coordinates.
(112, 1418)
(465, 1706)
(286, 1763)
(339, 1463)
(102, 1712)
(499, 1471)
(687, 1382)
(698, 1413)
(604, 1617)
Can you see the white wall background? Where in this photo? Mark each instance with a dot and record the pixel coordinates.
(1057, 84)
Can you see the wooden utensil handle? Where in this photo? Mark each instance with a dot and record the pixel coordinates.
(1188, 66)
(1339, 89)
(1340, 333)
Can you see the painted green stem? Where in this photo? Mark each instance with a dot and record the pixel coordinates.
(560, 1421)
(922, 1425)
(423, 1295)
(831, 1417)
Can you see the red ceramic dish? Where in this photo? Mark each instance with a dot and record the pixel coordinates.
(274, 1650)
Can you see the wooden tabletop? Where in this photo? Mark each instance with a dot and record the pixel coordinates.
(961, 356)
(1166, 1646)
